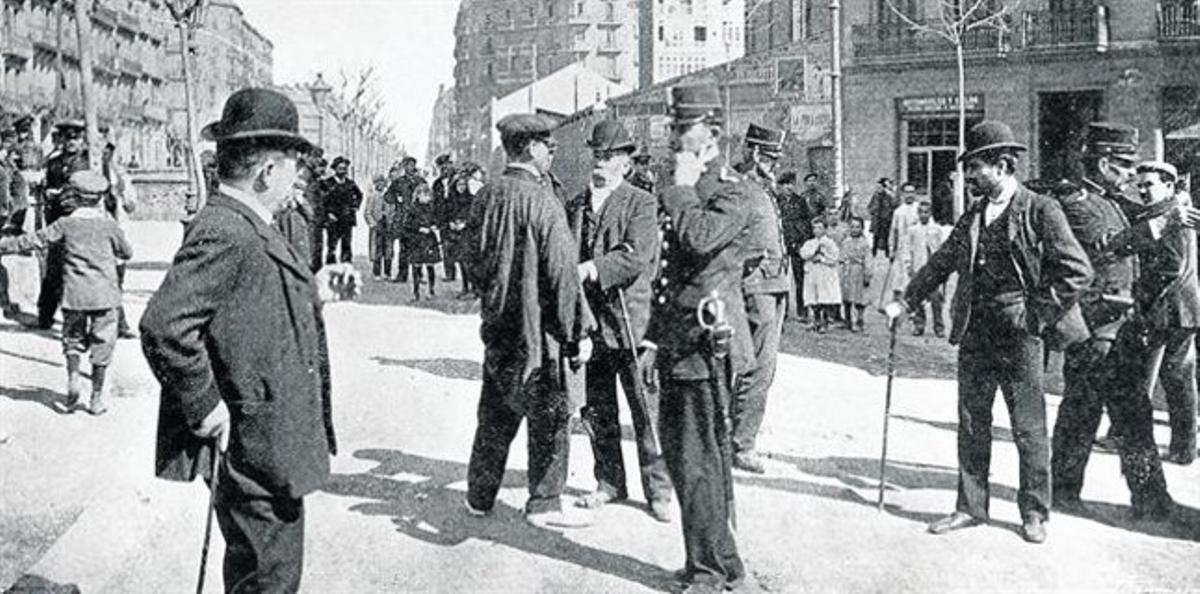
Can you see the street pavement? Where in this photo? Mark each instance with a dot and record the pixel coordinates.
(79, 507)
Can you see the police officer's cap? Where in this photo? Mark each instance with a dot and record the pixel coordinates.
(525, 125)
(1108, 138)
(70, 125)
(87, 183)
(696, 103)
(768, 140)
(1164, 170)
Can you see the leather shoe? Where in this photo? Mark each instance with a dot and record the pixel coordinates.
(596, 500)
(1070, 505)
(749, 461)
(1157, 511)
(955, 521)
(1034, 530)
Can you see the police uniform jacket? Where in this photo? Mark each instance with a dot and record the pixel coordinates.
(1166, 289)
(522, 256)
(238, 319)
(704, 234)
(622, 241)
(1094, 218)
(767, 267)
(341, 200)
(1053, 268)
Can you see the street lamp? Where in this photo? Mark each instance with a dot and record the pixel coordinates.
(189, 16)
(320, 90)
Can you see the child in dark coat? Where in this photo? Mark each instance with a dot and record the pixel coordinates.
(93, 244)
(425, 244)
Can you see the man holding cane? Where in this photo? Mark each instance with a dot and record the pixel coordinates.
(616, 227)
(234, 337)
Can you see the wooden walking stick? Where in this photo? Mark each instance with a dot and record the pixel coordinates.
(893, 311)
(212, 506)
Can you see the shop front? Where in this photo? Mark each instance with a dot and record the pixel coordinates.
(928, 145)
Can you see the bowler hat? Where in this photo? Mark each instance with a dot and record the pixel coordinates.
(768, 140)
(1165, 170)
(256, 113)
(610, 135)
(696, 103)
(525, 124)
(990, 135)
(442, 160)
(1107, 138)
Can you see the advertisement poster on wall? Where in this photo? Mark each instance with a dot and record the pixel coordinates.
(807, 123)
(789, 76)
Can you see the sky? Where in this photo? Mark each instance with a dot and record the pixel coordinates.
(409, 42)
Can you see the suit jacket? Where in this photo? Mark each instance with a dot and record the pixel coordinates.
(767, 267)
(1166, 289)
(521, 256)
(237, 318)
(1053, 268)
(704, 235)
(627, 218)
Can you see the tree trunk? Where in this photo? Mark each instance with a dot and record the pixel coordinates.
(83, 29)
(960, 203)
(196, 178)
(60, 77)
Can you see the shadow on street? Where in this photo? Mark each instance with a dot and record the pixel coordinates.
(431, 511)
(461, 369)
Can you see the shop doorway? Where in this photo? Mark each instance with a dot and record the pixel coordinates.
(1062, 121)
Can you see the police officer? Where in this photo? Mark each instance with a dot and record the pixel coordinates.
(642, 176)
(1090, 368)
(72, 156)
(767, 286)
(705, 220)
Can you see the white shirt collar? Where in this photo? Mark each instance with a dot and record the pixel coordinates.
(249, 201)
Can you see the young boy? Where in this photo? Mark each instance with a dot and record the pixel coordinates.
(92, 244)
(924, 238)
(855, 274)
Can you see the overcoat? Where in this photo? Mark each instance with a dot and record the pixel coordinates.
(622, 241)
(423, 248)
(1054, 269)
(237, 318)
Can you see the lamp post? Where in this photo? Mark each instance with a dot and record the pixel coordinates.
(189, 16)
(320, 90)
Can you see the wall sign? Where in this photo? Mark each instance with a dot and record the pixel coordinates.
(939, 104)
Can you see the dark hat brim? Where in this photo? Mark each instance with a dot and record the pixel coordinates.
(625, 146)
(214, 133)
(998, 146)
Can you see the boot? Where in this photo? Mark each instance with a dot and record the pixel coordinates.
(74, 393)
(416, 276)
(98, 407)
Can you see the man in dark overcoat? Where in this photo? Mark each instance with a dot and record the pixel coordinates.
(883, 203)
(441, 188)
(1168, 302)
(523, 259)
(340, 198)
(71, 156)
(797, 229)
(1092, 369)
(1020, 276)
(400, 193)
(767, 285)
(234, 337)
(705, 222)
(616, 227)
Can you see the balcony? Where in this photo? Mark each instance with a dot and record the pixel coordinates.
(1177, 22)
(156, 113)
(884, 42)
(105, 15)
(128, 21)
(609, 48)
(1043, 29)
(131, 111)
(18, 46)
(129, 66)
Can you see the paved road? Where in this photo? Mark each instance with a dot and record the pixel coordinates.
(78, 506)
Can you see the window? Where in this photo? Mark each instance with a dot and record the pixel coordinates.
(700, 34)
(550, 8)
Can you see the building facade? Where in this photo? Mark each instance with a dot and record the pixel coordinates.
(439, 125)
(1057, 65)
(679, 37)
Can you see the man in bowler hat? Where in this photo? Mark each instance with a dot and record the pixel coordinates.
(1092, 369)
(1020, 275)
(767, 287)
(524, 261)
(616, 229)
(234, 336)
(705, 222)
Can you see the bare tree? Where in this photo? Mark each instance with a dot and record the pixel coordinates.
(955, 21)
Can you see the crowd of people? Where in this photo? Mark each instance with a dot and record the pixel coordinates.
(677, 290)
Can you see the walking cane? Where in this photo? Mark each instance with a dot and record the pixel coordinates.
(893, 311)
(212, 505)
(639, 393)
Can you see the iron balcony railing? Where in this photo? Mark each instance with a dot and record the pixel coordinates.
(1178, 20)
(1057, 29)
(888, 40)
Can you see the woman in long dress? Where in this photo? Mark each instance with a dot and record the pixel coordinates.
(822, 289)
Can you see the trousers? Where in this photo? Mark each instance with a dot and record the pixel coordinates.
(548, 436)
(1116, 382)
(264, 536)
(340, 236)
(936, 301)
(51, 293)
(602, 415)
(1013, 363)
(765, 313)
(1178, 376)
(691, 422)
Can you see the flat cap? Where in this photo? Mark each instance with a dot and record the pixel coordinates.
(1164, 169)
(526, 124)
(88, 182)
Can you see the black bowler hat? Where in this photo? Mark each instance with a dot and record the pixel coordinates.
(257, 113)
(442, 160)
(1108, 138)
(611, 135)
(990, 135)
(768, 140)
(526, 124)
(696, 103)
